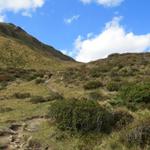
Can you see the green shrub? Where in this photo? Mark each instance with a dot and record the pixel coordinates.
(126, 71)
(122, 118)
(22, 95)
(39, 81)
(34, 144)
(139, 135)
(92, 85)
(95, 72)
(81, 116)
(54, 96)
(3, 85)
(113, 86)
(29, 77)
(95, 96)
(134, 94)
(101, 70)
(37, 99)
(73, 75)
(42, 99)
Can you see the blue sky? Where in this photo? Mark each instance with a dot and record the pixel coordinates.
(82, 28)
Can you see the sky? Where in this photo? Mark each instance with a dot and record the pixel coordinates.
(86, 30)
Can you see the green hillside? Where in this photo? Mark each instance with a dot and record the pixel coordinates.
(19, 49)
(48, 101)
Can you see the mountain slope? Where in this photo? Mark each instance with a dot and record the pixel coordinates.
(17, 46)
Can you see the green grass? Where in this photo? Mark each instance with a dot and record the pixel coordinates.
(73, 87)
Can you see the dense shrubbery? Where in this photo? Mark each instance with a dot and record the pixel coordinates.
(134, 94)
(139, 135)
(73, 75)
(99, 71)
(11, 74)
(81, 116)
(126, 71)
(113, 86)
(122, 118)
(95, 72)
(92, 85)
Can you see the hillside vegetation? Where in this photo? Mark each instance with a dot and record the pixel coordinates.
(19, 49)
(49, 104)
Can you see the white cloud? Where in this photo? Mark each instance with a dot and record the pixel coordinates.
(71, 19)
(113, 39)
(23, 6)
(107, 3)
(2, 18)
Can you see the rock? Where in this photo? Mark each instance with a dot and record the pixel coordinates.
(5, 132)
(15, 126)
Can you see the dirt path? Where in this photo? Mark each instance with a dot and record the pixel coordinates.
(17, 141)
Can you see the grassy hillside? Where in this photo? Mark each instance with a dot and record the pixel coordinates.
(116, 90)
(19, 49)
(48, 103)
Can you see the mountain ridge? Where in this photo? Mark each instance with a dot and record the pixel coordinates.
(20, 49)
(12, 31)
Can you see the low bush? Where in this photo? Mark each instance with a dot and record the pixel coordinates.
(34, 144)
(73, 75)
(96, 72)
(134, 94)
(126, 71)
(81, 116)
(92, 85)
(95, 96)
(122, 118)
(3, 85)
(22, 95)
(37, 99)
(113, 86)
(39, 81)
(42, 99)
(54, 96)
(139, 135)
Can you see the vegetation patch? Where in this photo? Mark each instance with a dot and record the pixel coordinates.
(96, 96)
(37, 99)
(122, 118)
(22, 95)
(5, 109)
(81, 116)
(139, 135)
(54, 96)
(42, 99)
(92, 85)
(113, 86)
(39, 81)
(134, 94)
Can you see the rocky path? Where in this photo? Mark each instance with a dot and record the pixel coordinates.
(14, 137)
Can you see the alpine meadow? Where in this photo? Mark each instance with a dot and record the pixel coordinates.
(90, 94)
